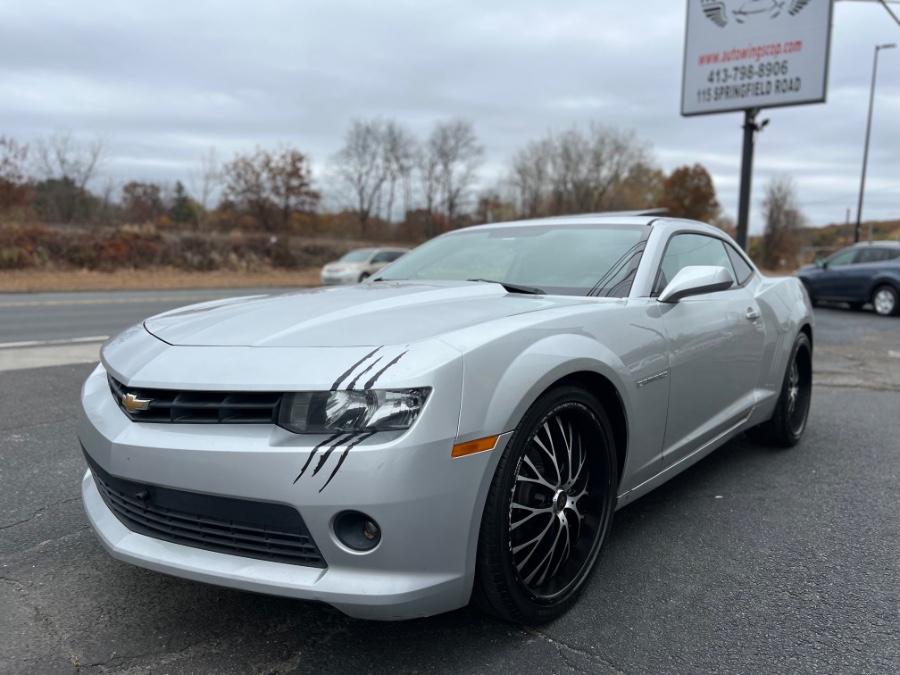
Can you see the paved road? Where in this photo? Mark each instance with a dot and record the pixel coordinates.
(61, 316)
(753, 561)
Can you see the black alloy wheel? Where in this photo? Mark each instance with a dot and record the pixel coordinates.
(788, 421)
(549, 509)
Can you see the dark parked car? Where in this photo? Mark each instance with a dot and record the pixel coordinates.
(857, 275)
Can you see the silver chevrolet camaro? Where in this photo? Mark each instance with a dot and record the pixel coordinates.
(461, 427)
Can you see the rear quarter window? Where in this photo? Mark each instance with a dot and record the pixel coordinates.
(742, 270)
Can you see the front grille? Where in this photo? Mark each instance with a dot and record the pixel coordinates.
(243, 527)
(197, 407)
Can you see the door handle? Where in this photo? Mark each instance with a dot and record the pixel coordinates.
(752, 314)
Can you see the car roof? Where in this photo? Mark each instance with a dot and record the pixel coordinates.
(629, 218)
(889, 243)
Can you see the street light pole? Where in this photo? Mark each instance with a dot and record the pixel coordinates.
(862, 182)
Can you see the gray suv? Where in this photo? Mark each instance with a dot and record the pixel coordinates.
(857, 275)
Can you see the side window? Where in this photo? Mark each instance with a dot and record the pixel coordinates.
(393, 255)
(382, 257)
(870, 255)
(685, 250)
(742, 271)
(842, 258)
(892, 254)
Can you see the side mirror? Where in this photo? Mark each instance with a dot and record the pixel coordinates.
(821, 263)
(696, 280)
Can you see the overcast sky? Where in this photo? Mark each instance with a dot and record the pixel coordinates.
(162, 81)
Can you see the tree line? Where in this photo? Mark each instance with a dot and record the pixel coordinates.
(383, 175)
(384, 182)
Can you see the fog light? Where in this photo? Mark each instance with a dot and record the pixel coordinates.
(370, 530)
(357, 531)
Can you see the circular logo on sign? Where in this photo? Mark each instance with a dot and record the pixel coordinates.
(720, 12)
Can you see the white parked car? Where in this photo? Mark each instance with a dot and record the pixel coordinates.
(461, 427)
(358, 265)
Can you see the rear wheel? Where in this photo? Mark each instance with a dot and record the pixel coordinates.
(548, 510)
(885, 301)
(363, 277)
(788, 422)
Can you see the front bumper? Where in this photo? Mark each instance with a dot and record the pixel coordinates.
(427, 504)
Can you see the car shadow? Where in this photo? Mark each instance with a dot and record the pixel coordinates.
(249, 630)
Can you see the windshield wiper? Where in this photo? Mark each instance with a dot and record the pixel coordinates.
(513, 288)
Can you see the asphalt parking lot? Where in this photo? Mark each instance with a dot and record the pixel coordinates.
(752, 561)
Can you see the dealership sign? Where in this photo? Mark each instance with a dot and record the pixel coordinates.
(742, 54)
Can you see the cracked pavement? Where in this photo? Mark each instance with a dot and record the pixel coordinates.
(752, 561)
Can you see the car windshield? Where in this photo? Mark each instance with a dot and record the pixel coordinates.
(359, 255)
(561, 259)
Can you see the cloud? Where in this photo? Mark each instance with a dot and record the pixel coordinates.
(164, 80)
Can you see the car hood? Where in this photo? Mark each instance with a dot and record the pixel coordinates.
(382, 313)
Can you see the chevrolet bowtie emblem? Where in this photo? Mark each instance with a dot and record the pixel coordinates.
(134, 404)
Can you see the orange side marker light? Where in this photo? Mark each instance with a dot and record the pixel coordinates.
(472, 447)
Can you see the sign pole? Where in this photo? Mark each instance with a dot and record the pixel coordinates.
(742, 55)
(750, 129)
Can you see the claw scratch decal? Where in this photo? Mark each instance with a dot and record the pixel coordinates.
(370, 366)
(381, 372)
(349, 440)
(343, 456)
(327, 453)
(317, 448)
(356, 365)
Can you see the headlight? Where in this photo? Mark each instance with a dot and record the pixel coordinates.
(328, 412)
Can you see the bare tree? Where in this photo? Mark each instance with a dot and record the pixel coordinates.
(290, 183)
(14, 191)
(428, 170)
(784, 218)
(207, 179)
(67, 167)
(400, 147)
(530, 177)
(459, 154)
(362, 166)
(109, 209)
(581, 172)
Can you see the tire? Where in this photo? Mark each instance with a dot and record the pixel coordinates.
(557, 478)
(886, 301)
(363, 277)
(788, 422)
(813, 300)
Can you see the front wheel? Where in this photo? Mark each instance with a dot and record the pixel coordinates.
(548, 510)
(788, 422)
(885, 301)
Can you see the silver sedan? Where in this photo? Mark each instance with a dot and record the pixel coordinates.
(358, 265)
(462, 428)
